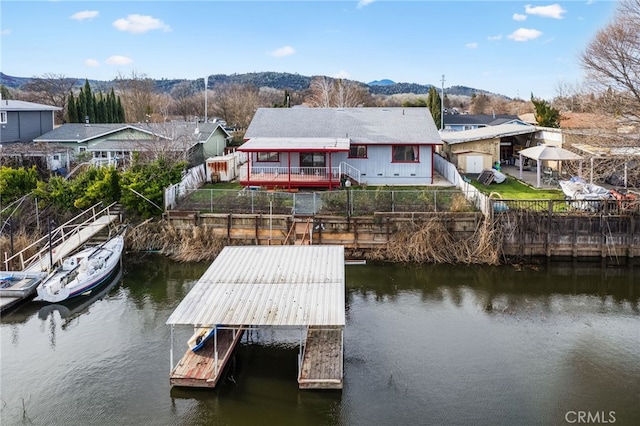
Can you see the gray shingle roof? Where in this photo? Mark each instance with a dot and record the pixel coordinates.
(11, 105)
(488, 132)
(77, 132)
(361, 125)
(478, 119)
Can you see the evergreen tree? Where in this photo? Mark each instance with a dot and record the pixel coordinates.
(120, 112)
(72, 110)
(82, 107)
(88, 97)
(546, 115)
(435, 106)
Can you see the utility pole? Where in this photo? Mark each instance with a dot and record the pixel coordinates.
(442, 106)
(206, 83)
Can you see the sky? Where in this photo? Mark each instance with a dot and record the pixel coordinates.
(512, 48)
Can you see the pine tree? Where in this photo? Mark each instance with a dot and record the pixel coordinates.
(546, 115)
(435, 106)
(72, 110)
(89, 102)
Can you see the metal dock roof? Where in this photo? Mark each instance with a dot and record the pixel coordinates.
(268, 286)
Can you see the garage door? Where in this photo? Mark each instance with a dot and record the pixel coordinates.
(474, 164)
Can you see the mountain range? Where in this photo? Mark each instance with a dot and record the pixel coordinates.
(276, 80)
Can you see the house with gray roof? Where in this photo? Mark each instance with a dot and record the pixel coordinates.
(459, 122)
(326, 147)
(116, 143)
(22, 121)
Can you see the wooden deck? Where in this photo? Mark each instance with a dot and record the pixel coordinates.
(322, 363)
(283, 180)
(198, 369)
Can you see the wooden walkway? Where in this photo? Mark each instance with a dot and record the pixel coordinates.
(322, 363)
(198, 369)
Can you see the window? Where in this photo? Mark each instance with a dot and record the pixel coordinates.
(405, 154)
(82, 149)
(268, 156)
(358, 151)
(313, 159)
(3, 117)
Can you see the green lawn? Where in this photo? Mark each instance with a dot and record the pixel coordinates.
(513, 189)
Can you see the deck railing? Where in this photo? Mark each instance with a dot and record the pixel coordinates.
(350, 171)
(307, 174)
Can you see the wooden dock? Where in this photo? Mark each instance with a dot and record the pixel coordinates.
(322, 361)
(198, 369)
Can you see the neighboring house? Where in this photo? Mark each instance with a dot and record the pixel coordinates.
(22, 121)
(326, 147)
(111, 143)
(472, 151)
(460, 122)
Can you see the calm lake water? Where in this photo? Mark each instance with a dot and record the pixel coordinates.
(433, 345)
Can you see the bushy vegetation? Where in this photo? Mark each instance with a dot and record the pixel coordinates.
(140, 189)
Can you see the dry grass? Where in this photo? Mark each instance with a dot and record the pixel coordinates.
(431, 242)
(21, 239)
(184, 245)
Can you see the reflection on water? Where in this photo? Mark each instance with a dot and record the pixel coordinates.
(423, 345)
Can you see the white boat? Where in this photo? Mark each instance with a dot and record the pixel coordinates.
(18, 283)
(83, 271)
(200, 336)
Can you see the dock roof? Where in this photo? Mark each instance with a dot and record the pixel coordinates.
(268, 286)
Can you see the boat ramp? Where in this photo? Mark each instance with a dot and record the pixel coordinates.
(248, 287)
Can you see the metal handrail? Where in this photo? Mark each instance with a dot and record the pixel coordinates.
(58, 236)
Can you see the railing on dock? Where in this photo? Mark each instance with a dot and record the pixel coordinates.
(43, 256)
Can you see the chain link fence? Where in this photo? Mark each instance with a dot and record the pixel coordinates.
(342, 202)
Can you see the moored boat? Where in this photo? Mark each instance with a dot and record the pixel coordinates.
(200, 337)
(19, 283)
(83, 271)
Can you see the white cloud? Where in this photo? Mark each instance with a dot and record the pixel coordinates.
(282, 52)
(524, 34)
(119, 60)
(92, 63)
(138, 24)
(5, 31)
(495, 37)
(342, 74)
(85, 14)
(552, 11)
(363, 3)
(472, 45)
(519, 17)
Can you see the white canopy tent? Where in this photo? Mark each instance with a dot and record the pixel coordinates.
(547, 153)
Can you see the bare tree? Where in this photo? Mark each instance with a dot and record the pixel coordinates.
(348, 94)
(136, 92)
(612, 59)
(50, 89)
(321, 93)
(185, 101)
(236, 104)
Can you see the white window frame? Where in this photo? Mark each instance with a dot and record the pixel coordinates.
(3, 117)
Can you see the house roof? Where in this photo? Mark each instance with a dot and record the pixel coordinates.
(287, 144)
(268, 286)
(78, 132)
(478, 119)
(360, 125)
(11, 105)
(489, 132)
